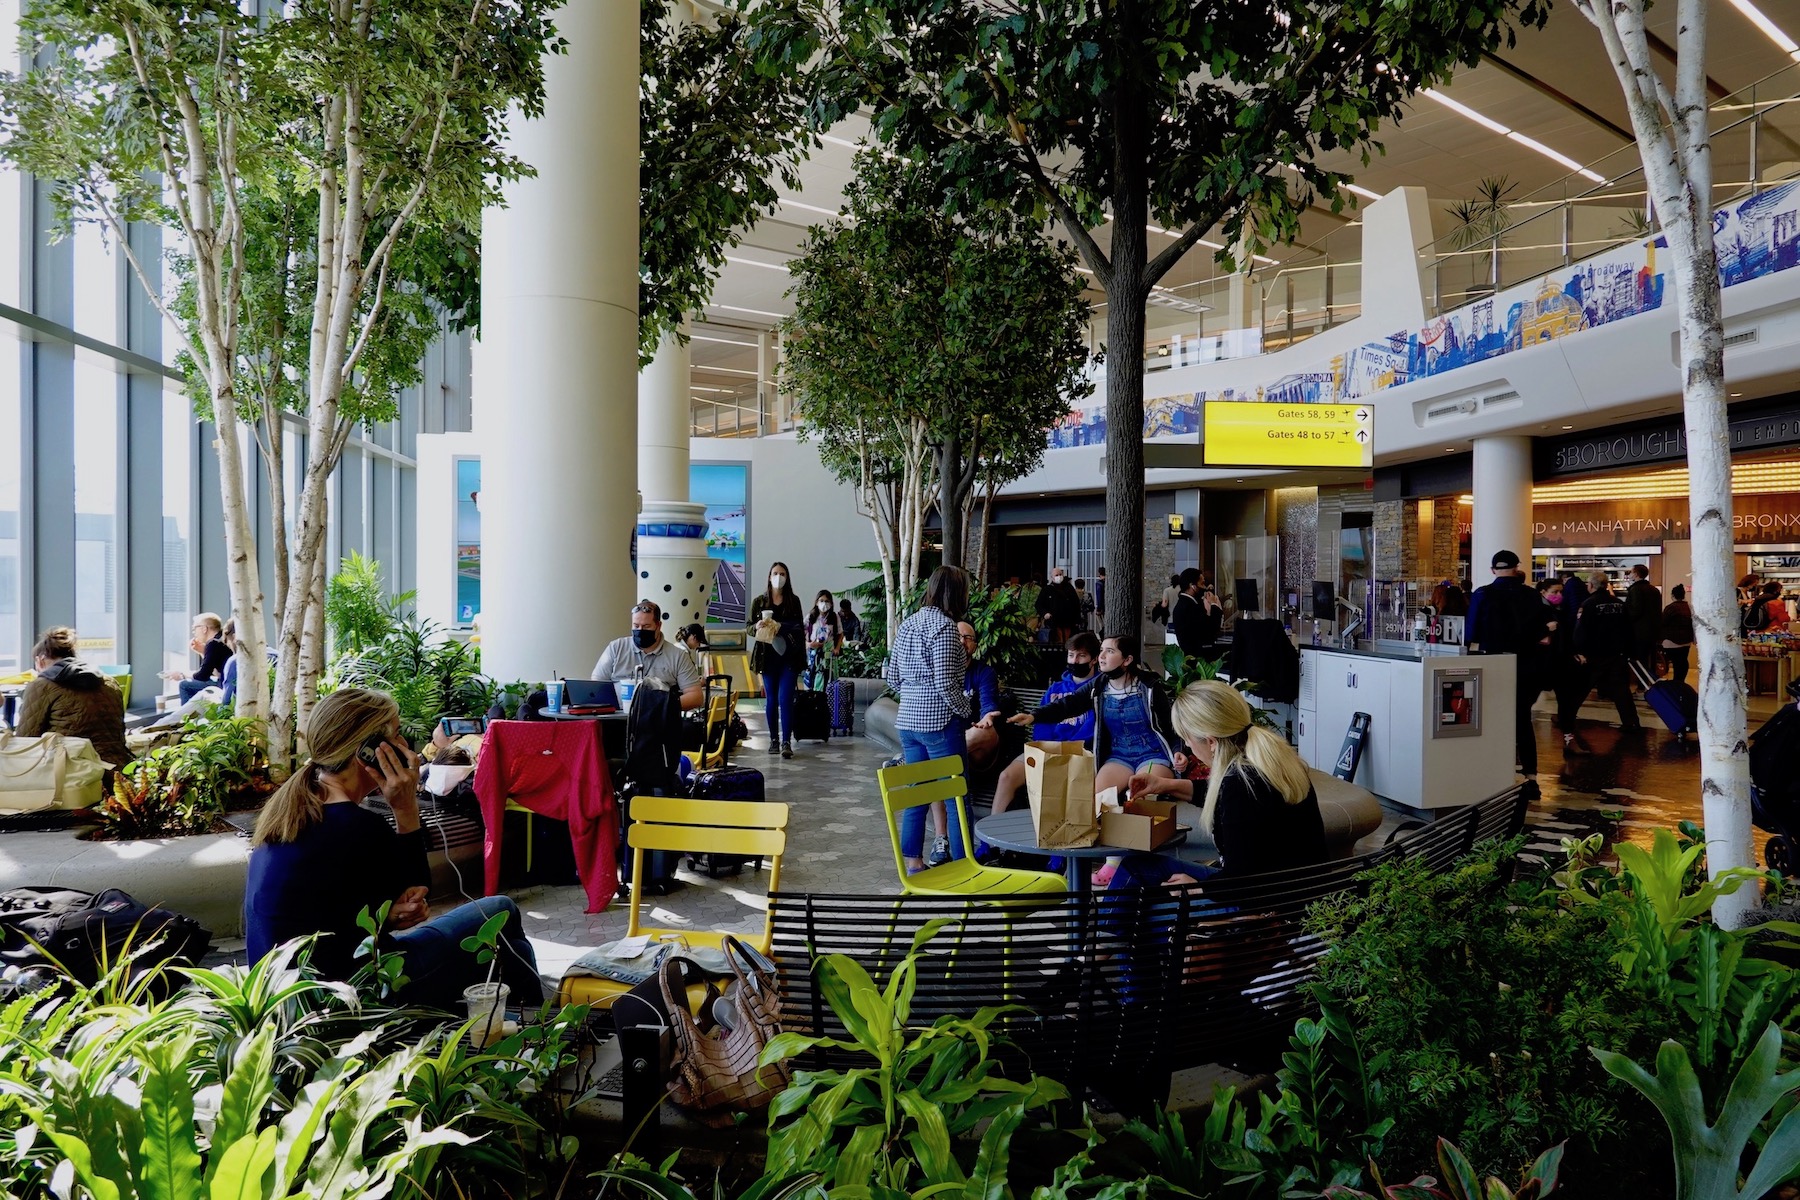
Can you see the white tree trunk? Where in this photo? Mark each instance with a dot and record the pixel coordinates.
(240, 552)
(1673, 140)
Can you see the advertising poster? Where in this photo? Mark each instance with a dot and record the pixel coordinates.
(725, 490)
(468, 540)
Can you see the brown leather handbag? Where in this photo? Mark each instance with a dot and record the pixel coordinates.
(716, 1072)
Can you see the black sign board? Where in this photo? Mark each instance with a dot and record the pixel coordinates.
(1761, 424)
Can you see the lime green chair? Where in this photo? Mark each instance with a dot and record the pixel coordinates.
(120, 675)
(911, 785)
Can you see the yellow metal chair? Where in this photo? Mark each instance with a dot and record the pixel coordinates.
(719, 711)
(689, 827)
(911, 785)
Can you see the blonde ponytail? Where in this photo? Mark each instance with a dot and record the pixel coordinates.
(1209, 709)
(340, 723)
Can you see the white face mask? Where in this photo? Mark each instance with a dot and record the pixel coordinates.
(1056, 579)
(778, 581)
(824, 607)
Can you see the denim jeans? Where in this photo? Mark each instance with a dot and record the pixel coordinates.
(917, 745)
(438, 968)
(778, 700)
(1130, 898)
(187, 689)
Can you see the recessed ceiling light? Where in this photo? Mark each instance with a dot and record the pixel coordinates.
(751, 262)
(1568, 427)
(755, 312)
(1489, 123)
(1449, 449)
(1735, 395)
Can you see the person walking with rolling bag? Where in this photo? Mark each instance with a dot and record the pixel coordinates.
(778, 654)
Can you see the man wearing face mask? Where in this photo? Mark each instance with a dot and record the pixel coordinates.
(644, 655)
(1082, 650)
(1059, 607)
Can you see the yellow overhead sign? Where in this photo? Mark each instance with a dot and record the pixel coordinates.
(1252, 434)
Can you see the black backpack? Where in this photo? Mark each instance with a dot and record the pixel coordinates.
(41, 927)
(1756, 617)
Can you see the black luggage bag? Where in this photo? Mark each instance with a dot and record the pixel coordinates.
(812, 717)
(726, 783)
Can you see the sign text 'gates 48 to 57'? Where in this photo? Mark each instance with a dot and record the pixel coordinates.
(1259, 434)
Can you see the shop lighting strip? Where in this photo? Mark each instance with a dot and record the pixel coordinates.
(1750, 479)
(1487, 122)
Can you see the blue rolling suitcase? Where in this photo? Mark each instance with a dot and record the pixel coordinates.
(726, 783)
(1676, 703)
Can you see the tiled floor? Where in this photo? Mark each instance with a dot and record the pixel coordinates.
(838, 842)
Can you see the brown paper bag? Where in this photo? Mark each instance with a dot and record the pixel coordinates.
(1059, 780)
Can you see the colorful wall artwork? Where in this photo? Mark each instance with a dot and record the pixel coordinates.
(468, 540)
(1757, 236)
(725, 490)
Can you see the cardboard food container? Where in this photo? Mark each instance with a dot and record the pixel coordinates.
(1142, 824)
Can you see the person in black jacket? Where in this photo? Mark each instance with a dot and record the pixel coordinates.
(1059, 607)
(778, 630)
(1566, 678)
(209, 643)
(1507, 617)
(1602, 644)
(1643, 605)
(1678, 634)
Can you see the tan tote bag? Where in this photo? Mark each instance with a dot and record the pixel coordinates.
(1059, 781)
(52, 771)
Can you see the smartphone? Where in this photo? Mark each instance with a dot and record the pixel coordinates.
(462, 726)
(374, 742)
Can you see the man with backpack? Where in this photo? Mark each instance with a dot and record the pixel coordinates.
(1507, 617)
(1768, 611)
(1602, 644)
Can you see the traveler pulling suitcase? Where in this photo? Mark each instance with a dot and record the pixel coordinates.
(726, 783)
(1676, 703)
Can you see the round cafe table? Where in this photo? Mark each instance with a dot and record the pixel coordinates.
(1012, 830)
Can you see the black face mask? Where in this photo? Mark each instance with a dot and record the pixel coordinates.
(1117, 672)
(1081, 670)
(643, 639)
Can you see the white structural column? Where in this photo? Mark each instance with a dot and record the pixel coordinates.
(672, 565)
(1501, 519)
(556, 374)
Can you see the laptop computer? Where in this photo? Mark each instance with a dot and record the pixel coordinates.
(587, 697)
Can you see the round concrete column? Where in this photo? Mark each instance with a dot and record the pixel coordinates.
(556, 373)
(672, 565)
(1501, 519)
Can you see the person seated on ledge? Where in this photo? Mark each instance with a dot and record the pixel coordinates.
(1260, 808)
(74, 699)
(981, 740)
(319, 859)
(1130, 707)
(645, 655)
(209, 643)
(1080, 652)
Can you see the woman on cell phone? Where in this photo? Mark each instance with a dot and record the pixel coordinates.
(320, 859)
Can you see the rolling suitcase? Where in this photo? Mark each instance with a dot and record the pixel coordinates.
(840, 698)
(726, 783)
(659, 865)
(812, 717)
(1676, 703)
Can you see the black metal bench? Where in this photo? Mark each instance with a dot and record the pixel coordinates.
(1122, 989)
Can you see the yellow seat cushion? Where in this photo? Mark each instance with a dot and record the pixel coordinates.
(599, 994)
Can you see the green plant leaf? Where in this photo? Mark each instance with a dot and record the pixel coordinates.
(930, 1139)
(242, 1171)
(170, 1157)
(246, 1090)
(989, 1179)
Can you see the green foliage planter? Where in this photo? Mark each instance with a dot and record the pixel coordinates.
(263, 1083)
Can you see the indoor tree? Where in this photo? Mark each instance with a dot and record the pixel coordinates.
(719, 124)
(1182, 114)
(379, 116)
(928, 354)
(1674, 141)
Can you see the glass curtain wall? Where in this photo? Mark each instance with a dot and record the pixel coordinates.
(109, 497)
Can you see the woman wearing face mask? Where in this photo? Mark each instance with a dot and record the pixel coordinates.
(778, 626)
(320, 859)
(824, 639)
(1132, 730)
